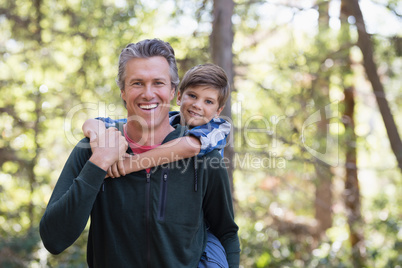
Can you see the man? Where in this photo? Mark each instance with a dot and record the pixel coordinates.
(155, 218)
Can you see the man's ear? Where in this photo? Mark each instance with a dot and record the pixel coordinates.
(123, 94)
(178, 101)
(172, 93)
(219, 111)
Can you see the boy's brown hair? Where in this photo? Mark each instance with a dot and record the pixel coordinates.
(207, 75)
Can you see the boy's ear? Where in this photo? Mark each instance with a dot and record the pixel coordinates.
(219, 111)
(178, 100)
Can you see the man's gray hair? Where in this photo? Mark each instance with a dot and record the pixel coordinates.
(146, 49)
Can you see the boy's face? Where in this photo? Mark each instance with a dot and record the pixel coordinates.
(198, 105)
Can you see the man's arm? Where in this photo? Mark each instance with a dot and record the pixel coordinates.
(218, 208)
(76, 190)
(92, 128)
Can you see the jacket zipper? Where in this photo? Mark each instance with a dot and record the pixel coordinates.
(163, 195)
(148, 188)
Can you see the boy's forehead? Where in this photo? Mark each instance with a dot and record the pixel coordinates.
(203, 89)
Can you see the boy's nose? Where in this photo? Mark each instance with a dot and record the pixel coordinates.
(197, 105)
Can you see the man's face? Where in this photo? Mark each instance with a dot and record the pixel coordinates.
(198, 105)
(148, 91)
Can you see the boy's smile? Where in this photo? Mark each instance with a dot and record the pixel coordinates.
(198, 105)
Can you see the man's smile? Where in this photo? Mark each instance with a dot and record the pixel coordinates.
(149, 106)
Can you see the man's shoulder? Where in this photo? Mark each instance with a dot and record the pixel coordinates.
(179, 131)
(214, 160)
(83, 146)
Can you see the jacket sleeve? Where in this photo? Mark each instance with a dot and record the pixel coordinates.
(212, 135)
(218, 208)
(72, 199)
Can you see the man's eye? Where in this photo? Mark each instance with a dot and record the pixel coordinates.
(136, 83)
(159, 83)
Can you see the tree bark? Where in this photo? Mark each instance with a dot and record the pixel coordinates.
(323, 189)
(221, 40)
(364, 43)
(352, 190)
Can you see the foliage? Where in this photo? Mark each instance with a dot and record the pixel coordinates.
(58, 64)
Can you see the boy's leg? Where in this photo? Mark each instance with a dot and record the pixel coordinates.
(214, 255)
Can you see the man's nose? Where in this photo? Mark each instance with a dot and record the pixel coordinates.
(148, 92)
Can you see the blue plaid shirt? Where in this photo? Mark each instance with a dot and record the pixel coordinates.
(212, 135)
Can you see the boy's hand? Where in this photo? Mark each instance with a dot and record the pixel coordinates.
(117, 169)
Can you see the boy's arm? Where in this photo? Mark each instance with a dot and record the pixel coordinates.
(212, 135)
(200, 141)
(174, 150)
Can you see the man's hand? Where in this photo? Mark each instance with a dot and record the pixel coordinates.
(117, 169)
(92, 128)
(107, 148)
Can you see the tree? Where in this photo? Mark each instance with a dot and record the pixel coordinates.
(221, 50)
(323, 190)
(352, 8)
(352, 190)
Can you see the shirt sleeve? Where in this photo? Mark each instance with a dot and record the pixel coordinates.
(109, 122)
(218, 208)
(212, 135)
(72, 199)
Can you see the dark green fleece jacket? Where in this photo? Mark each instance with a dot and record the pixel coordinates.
(142, 220)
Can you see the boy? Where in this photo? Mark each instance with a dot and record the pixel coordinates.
(201, 97)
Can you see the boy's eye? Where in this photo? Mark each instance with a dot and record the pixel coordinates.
(192, 96)
(209, 102)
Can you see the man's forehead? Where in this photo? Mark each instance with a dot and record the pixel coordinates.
(155, 68)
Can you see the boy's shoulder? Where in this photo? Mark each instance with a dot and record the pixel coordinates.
(174, 118)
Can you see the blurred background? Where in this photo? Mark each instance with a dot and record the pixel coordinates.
(315, 150)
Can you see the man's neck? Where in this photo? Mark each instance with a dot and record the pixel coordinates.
(145, 136)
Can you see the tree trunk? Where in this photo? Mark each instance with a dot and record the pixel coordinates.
(221, 50)
(352, 8)
(352, 191)
(323, 190)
